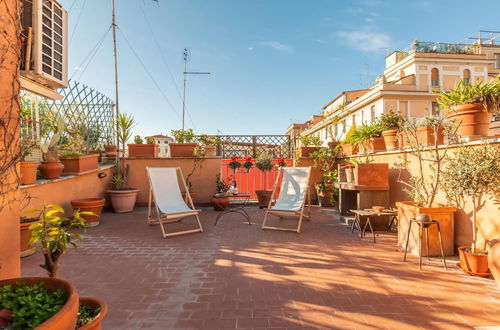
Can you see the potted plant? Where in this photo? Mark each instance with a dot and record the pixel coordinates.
(51, 168)
(77, 163)
(248, 164)
(281, 162)
(325, 161)
(310, 143)
(264, 163)
(28, 168)
(198, 159)
(469, 174)
(91, 313)
(472, 105)
(93, 205)
(25, 223)
(79, 140)
(139, 149)
(209, 144)
(391, 123)
(234, 164)
(369, 137)
(184, 143)
(349, 144)
(110, 149)
(220, 200)
(122, 196)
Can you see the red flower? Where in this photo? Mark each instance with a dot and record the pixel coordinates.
(248, 158)
(235, 158)
(351, 166)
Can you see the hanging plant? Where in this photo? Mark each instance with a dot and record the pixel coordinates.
(235, 163)
(280, 162)
(248, 163)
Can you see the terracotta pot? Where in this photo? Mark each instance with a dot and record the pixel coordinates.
(65, 318)
(425, 136)
(473, 119)
(210, 151)
(349, 175)
(123, 200)
(98, 153)
(28, 172)
(375, 175)
(402, 140)
(89, 205)
(143, 150)
(110, 148)
(349, 149)
(494, 261)
(220, 203)
(325, 197)
(182, 149)
(26, 249)
(51, 170)
(333, 144)
(75, 165)
(390, 139)
(473, 263)
(94, 303)
(264, 196)
(374, 145)
(445, 216)
(306, 152)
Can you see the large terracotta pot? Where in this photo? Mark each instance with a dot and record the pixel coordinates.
(374, 145)
(263, 196)
(94, 303)
(333, 144)
(494, 261)
(210, 151)
(28, 172)
(473, 119)
(65, 318)
(390, 139)
(445, 216)
(325, 196)
(182, 149)
(307, 151)
(220, 203)
(94, 205)
(373, 175)
(425, 136)
(143, 150)
(123, 200)
(473, 263)
(110, 148)
(75, 165)
(51, 170)
(25, 232)
(349, 149)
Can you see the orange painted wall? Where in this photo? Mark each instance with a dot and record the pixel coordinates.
(62, 191)
(203, 180)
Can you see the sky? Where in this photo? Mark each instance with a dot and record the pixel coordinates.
(271, 62)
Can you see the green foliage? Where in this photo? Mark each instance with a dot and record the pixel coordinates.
(487, 93)
(264, 162)
(310, 141)
(150, 140)
(366, 132)
(222, 186)
(118, 181)
(48, 147)
(86, 315)
(208, 141)
(348, 137)
(391, 120)
(72, 154)
(183, 135)
(30, 305)
(138, 139)
(124, 122)
(54, 234)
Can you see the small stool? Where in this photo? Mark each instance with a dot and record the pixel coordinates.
(424, 222)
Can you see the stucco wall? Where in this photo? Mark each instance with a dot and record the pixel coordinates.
(203, 180)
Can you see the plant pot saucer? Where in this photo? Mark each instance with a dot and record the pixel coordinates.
(472, 273)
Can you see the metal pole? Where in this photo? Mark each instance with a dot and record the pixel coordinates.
(115, 55)
(184, 94)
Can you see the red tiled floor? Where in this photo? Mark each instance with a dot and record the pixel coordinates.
(238, 276)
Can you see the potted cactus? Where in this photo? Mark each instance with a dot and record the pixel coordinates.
(51, 168)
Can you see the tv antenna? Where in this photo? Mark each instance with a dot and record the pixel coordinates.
(186, 72)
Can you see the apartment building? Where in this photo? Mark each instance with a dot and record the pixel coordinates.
(164, 144)
(408, 84)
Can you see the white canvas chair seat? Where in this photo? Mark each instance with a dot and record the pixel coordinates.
(293, 193)
(166, 194)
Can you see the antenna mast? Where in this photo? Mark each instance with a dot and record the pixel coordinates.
(113, 25)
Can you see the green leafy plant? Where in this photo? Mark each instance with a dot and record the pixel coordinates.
(391, 121)
(235, 163)
(54, 233)
(50, 153)
(124, 125)
(348, 139)
(138, 139)
(183, 135)
(222, 186)
(487, 93)
(470, 173)
(150, 140)
(30, 305)
(118, 181)
(86, 315)
(264, 162)
(367, 131)
(310, 141)
(72, 154)
(208, 141)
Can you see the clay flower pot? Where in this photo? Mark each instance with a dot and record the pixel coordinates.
(374, 145)
(333, 144)
(75, 165)
(94, 303)
(473, 119)
(94, 205)
(28, 172)
(110, 148)
(65, 318)
(306, 152)
(349, 149)
(264, 196)
(425, 136)
(51, 170)
(210, 151)
(494, 261)
(182, 149)
(143, 150)
(475, 264)
(220, 203)
(390, 139)
(123, 200)
(26, 249)
(349, 175)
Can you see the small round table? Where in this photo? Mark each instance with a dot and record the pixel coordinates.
(238, 207)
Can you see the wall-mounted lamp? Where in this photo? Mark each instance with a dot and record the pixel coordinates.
(102, 175)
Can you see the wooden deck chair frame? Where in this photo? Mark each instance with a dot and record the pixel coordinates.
(285, 213)
(164, 218)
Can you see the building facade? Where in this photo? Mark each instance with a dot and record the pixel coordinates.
(164, 144)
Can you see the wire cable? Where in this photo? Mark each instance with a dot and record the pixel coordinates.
(77, 20)
(90, 56)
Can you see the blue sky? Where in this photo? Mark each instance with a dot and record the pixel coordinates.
(273, 62)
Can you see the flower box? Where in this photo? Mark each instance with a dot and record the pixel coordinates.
(349, 149)
(76, 165)
(374, 145)
(306, 152)
(143, 150)
(182, 149)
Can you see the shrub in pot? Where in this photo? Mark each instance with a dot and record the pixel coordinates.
(369, 137)
(349, 144)
(139, 149)
(93, 205)
(264, 163)
(391, 124)
(28, 169)
(220, 201)
(77, 163)
(209, 144)
(469, 174)
(51, 168)
(25, 232)
(472, 105)
(235, 163)
(91, 313)
(184, 143)
(325, 161)
(310, 143)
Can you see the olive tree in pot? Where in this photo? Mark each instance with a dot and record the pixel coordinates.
(184, 143)
(122, 196)
(310, 143)
(209, 144)
(264, 163)
(391, 123)
(472, 105)
(324, 160)
(469, 174)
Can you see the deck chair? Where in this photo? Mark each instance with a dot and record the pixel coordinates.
(292, 200)
(164, 190)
